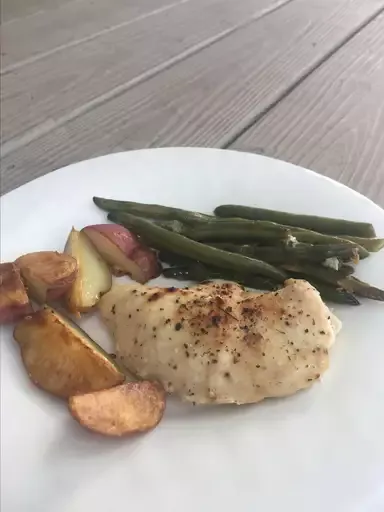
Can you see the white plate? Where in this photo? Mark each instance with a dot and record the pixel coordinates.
(319, 450)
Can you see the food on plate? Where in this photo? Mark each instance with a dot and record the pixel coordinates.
(217, 343)
(341, 278)
(161, 238)
(228, 230)
(123, 252)
(284, 253)
(264, 232)
(14, 301)
(198, 272)
(325, 225)
(242, 230)
(362, 289)
(93, 276)
(188, 219)
(61, 358)
(150, 211)
(370, 244)
(48, 274)
(364, 245)
(126, 409)
(321, 224)
(213, 343)
(248, 245)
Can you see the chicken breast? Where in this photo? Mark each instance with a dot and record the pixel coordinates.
(217, 343)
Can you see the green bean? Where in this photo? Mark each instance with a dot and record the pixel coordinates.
(196, 219)
(315, 223)
(174, 260)
(371, 244)
(230, 230)
(238, 230)
(366, 245)
(318, 272)
(150, 211)
(347, 270)
(362, 289)
(311, 237)
(162, 239)
(329, 292)
(184, 274)
(340, 278)
(284, 253)
(199, 273)
(337, 295)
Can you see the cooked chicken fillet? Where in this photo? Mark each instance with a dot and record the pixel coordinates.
(217, 343)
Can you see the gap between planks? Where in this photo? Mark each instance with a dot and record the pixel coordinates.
(43, 55)
(226, 144)
(214, 100)
(45, 127)
(334, 122)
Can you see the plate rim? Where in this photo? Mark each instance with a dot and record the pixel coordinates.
(51, 174)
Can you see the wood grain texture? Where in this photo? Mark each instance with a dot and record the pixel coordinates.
(334, 122)
(205, 99)
(74, 23)
(37, 95)
(14, 9)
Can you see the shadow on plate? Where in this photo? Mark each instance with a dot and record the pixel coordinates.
(182, 415)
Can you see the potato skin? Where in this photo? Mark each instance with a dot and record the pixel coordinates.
(123, 251)
(48, 274)
(14, 301)
(93, 278)
(60, 358)
(127, 409)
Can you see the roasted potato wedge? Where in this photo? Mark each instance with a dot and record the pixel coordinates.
(93, 277)
(61, 358)
(122, 250)
(48, 274)
(14, 301)
(127, 409)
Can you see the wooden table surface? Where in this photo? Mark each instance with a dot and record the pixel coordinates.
(299, 80)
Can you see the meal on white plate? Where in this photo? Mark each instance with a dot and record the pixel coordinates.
(217, 341)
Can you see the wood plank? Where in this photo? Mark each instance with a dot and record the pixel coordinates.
(27, 39)
(36, 95)
(333, 122)
(206, 99)
(12, 10)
